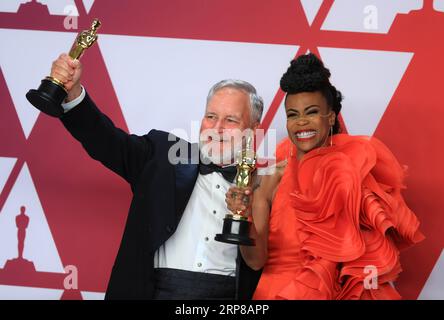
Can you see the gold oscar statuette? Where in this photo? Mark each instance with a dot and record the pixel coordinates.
(236, 227)
(51, 93)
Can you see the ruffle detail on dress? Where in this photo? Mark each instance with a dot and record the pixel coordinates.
(353, 220)
(317, 280)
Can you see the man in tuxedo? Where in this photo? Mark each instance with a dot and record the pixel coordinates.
(168, 249)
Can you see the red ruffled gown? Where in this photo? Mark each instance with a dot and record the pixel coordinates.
(338, 219)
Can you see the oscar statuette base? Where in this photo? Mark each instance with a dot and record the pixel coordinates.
(48, 98)
(235, 231)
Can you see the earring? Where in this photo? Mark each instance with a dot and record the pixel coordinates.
(331, 136)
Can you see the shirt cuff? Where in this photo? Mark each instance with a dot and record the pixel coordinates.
(69, 105)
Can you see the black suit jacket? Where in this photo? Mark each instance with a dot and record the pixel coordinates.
(161, 191)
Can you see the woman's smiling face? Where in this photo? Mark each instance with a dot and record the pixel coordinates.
(309, 119)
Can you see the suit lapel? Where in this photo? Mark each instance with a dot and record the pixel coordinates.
(186, 172)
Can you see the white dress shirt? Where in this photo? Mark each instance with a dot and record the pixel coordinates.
(192, 247)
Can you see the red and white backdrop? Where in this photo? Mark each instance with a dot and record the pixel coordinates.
(152, 67)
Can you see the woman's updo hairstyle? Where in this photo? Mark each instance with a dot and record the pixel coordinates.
(308, 74)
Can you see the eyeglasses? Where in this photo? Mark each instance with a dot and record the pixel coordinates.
(310, 115)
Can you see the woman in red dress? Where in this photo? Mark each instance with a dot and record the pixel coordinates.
(331, 221)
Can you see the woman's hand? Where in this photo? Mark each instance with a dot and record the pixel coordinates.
(239, 200)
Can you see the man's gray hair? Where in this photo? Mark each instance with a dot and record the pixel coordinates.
(256, 102)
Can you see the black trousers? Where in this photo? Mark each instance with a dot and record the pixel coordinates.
(174, 284)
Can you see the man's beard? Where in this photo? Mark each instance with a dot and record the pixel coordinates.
(211, 151)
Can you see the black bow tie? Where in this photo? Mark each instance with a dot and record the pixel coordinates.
(229, 173)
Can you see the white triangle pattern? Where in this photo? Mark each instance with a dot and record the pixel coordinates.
(55, 7)
(346, 15)
(311, 8)
(29, 293)
(39, 243)
(88, 295)
(88, 4)
(23, 71)
(433, 288)
(438, 5)
(6, 165)
(11, 6)
(368, 80)
(61, 7)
